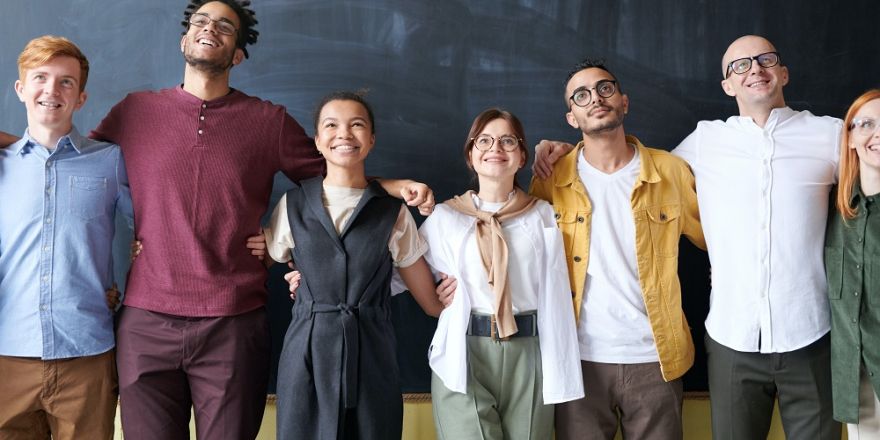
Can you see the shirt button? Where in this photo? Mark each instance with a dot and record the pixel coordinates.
(858, 266)
(580, 219)
(46, 248)
(200, 131)
(577, 259)
(48, 163)
(557, 216)
(204, 105)
(45, 277)
(856, 293)
(201, 118)
(44, 307)
(48, 220)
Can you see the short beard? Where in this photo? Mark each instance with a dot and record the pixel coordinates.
(212, 68)
(609, 126)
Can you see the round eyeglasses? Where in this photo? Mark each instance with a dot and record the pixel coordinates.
(222, 25)
(742, 65)
(507, 142)
(863, 127)
(604, 88)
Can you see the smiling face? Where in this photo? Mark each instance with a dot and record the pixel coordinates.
(863, 139)
(759, 87)
(495, 163)
(205, 48)
(344, 134)
(51, 93)
(600, 115)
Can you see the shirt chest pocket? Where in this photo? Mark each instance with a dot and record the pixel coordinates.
(665, 229)
(88, 197)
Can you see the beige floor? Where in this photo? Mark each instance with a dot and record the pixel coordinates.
(418, 423)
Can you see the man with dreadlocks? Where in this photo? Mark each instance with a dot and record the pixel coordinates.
(201, 160)
(194, 329)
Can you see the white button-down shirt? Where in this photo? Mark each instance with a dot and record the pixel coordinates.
(763, 195)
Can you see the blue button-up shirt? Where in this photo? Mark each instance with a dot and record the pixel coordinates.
(57, 211)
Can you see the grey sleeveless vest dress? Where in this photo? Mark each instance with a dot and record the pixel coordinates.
(338, 374)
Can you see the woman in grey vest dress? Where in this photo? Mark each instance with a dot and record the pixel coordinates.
(338, 374)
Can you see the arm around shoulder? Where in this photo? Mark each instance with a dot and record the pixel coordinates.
(7, 139)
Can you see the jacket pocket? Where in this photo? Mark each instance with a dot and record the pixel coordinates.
(570, 222)
(87, 197)
(834, 271)
(663, 222)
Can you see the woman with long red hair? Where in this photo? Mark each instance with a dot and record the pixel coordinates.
(852, 262)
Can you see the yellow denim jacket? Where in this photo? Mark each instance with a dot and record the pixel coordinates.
(664, 206)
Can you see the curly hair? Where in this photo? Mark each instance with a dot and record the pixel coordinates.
(246, 16)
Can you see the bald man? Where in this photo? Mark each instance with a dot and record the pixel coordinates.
(763, 179)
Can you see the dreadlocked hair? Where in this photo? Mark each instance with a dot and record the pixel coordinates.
(246, 16)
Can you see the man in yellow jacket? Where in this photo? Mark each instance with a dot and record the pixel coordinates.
(622, 208)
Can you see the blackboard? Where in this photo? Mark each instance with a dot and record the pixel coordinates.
(431, 66)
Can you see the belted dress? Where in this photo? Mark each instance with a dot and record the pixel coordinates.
(338, 372)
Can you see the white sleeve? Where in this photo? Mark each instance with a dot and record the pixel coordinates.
(279, 237)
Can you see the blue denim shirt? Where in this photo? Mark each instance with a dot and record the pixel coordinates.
(57, 223)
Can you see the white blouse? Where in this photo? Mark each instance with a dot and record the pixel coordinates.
(538, 281)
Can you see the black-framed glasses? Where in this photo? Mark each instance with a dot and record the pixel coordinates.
(507, 142)
(582, 96)
(863, 127)
(223, 26)
(740, 66)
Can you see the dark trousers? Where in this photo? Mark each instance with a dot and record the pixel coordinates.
(633, 396)
(168, 364)
(743, 387)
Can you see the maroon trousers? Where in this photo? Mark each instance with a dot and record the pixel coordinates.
(168, 364)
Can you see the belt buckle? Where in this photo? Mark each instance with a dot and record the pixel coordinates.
(493, 329)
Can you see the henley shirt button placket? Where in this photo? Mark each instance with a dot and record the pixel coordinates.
(202, 117)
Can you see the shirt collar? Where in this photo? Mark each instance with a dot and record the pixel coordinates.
(78, 142)
(777, 116)
(568, 168)
(857, 197)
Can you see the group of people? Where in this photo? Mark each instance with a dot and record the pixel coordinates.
(559, 307)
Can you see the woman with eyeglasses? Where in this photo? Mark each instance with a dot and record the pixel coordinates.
(852, 263)
(338, 373)
(505, 349)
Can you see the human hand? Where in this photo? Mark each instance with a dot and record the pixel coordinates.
(293, 280)
(257, 245)
(446, 289)
(420, 195)
(112, 295)
(136, 248)
(546, 154)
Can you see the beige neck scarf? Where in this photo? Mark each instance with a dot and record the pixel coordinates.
(493, 249)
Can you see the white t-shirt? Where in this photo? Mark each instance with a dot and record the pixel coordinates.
(614, 326)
